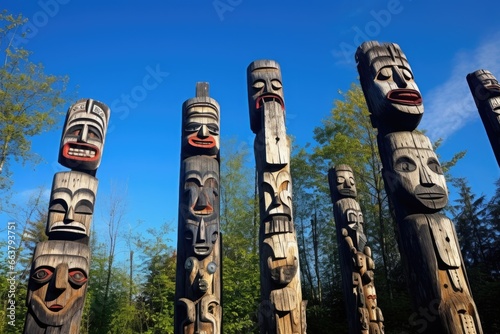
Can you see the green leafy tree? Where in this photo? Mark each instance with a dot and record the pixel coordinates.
(239, 226)
(30, 101)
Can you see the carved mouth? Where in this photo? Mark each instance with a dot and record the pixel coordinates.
(409, 97)
(208, 142)
(201, 250)
(430, 196)
(55, 307)
(347, 192)
(269, 98)
(61, 227)
(83, 152)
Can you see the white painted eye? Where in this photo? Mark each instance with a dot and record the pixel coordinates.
(258, 84)
(276, 84)
(407, 74)
(384, 74)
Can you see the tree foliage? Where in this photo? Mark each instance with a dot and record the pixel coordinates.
(31, 101)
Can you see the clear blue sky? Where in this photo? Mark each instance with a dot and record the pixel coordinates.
(110, 48)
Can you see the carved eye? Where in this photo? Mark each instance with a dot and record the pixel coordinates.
(192, 127)
(276, 84)
(384, 74)
(407, 74)
(215, 235)
(258, 84)
(340, 180)
(351, 180)
(405, 164)
(77, 276)
(435, 166)
(213, 129)
(93, 133)
(75, 130)
(211, 267)
(58, 206)
(42, 275)
(84, 207)
(188, 235)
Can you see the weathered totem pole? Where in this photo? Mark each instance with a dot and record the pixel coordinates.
(282, 310)
(364, 316)
(486, 92)
(60, 268)
(198, 281)
(416, 187)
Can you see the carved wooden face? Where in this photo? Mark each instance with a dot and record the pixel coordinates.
(71, 203)
(371, 299)
(205, 317)
(201, 195)
(282, 262)
(83, 136)
(355, 227)
(342, 184)
(389, 86)
(413, 173)
(200, 127)
(276, 202)
(58, 281)
(264, 85)
(486, 91)
(200, 276)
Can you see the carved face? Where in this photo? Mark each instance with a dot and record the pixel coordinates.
(200, 127)
(486, 91)
(58, 281)
(371, 300)
(201, 195)
(355, 228)
(83, 136)
(264, 85)
(71, 203)
(389, 86)
(202, 318)
(200, 276)
(342, 185)
(413, 173)
(276, 202)
(282, 262)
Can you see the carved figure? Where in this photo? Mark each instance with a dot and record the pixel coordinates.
(486, 92)
(82, 141)
(392, 95)
(200, 126)
(57, 285)
(355, 256)
(71, 206)
(282, 309)
(198, 281)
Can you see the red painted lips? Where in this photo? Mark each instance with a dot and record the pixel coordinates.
(208, 142)
(267, 98)
(409, 97)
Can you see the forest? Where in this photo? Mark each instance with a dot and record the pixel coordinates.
(135, 293)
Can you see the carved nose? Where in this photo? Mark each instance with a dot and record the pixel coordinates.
(425, 177)
(70, 215)
(202, 234)
(61, 276)
(203, 132)
(84, 134)
(276, 201)
(399, 78)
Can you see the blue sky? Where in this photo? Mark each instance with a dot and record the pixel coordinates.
(143, 59)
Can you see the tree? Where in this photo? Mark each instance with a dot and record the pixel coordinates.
(30, 100)
(239, 226)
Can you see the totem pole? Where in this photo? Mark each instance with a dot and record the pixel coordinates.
(60, 267)
(416, 187)
(364, 316)
(486, 92)
(282, 309)
(198, 281)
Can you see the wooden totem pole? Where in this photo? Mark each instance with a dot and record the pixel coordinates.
(486, 92)
(416, 187)
(282, 310)
(60, 268)
(364, 316)
(198, 283)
